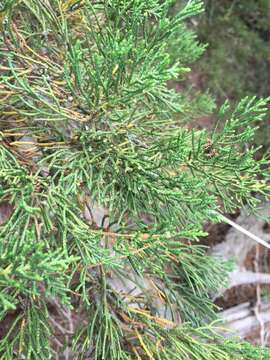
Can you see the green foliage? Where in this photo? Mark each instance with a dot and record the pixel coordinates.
(87, 120)
(237, 60)
(29, 334)
(236, 63)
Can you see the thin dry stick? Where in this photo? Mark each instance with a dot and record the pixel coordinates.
(243, 230)
(257, 307)
(267, 336)
(62, 330)
(256, 265)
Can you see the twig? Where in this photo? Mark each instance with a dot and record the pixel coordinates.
(243, 230)
(60, 327)
(258, 295)
(242, 320)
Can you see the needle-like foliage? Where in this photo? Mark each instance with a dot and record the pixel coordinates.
(90, 126)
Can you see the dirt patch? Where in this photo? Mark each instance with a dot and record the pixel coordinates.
(6, 210)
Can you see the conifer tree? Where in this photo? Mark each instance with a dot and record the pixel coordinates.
(108, 188)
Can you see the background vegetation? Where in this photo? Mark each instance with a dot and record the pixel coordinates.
(108, 186)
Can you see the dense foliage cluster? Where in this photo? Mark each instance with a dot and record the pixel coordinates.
(88, 125)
